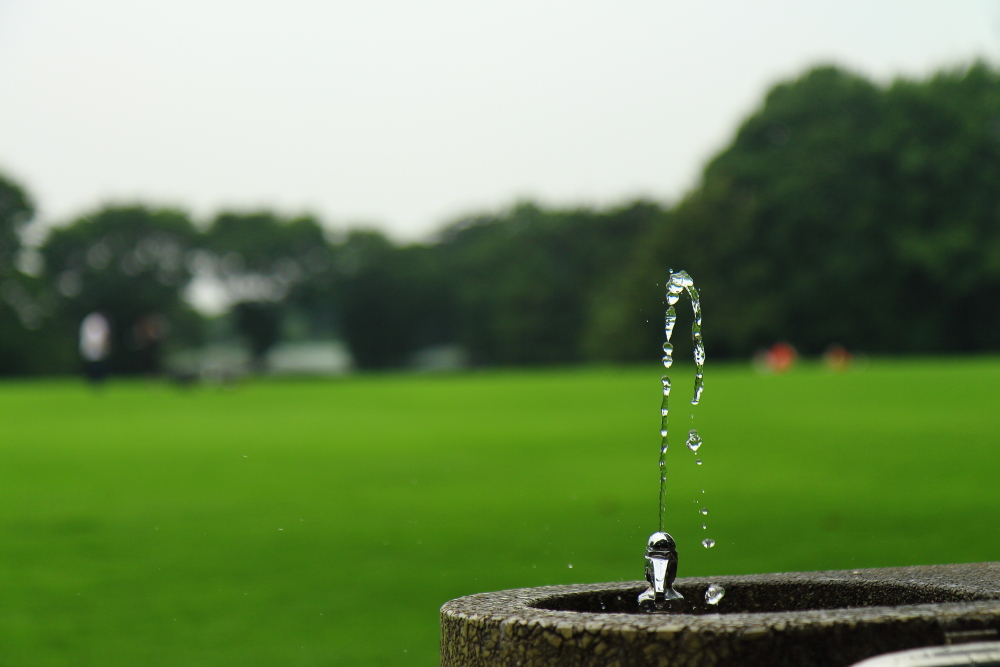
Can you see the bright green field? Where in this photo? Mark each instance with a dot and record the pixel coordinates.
(324, 522)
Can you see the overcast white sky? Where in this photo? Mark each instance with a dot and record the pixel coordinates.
(407, 114)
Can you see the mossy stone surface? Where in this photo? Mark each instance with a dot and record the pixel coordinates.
(816, 619)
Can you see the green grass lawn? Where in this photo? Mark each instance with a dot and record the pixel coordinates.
(324, 522)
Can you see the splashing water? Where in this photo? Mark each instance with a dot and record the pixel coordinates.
(714, 593)
(679, 281)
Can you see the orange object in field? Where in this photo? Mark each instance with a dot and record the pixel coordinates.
(837, 358)
(781, 357)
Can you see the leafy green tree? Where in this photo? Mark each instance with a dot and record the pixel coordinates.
(260, 323)
(267, 264)
(16, 210)
(841, 212)
(393, 300)
(128, 262)
(524, 280)
(29, 340)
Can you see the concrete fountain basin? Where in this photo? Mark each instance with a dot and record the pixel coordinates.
(802, 619)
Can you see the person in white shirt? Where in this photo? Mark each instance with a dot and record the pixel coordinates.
(95, 344)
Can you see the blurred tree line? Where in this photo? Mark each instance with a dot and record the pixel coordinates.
(842, 211)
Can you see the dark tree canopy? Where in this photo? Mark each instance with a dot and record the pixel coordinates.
(842, 212)
(268, 263)
(523, 280)
(25, 340)
(393, 299)
(16, 209)
(129, 263)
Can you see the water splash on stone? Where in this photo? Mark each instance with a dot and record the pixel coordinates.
(714, 593)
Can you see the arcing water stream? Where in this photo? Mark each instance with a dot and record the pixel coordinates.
(679, 282)
(661, 552)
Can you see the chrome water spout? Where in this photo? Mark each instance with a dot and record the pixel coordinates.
(661, 570)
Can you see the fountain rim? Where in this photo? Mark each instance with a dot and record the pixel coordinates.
(516, 606)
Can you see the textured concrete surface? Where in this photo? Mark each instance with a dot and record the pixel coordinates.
(803, 619)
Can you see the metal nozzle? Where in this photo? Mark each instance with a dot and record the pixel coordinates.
(661, 570)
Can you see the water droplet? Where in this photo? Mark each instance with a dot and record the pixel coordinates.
(699, 388)
(694, 441)
(703, 490)
(698, 461)
(714, 593)
(704, 510)
(663, 432)
(569, 565)
(704, 527)
(699, 351)
(708, 543)
(679, 280)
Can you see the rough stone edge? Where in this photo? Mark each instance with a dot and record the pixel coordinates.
(502, 628)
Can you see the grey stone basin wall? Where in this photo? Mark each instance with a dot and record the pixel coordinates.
(810, 619)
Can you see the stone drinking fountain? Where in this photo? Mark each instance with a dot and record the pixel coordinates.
(950, 613)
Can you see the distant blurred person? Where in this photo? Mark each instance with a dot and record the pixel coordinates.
(149, 333)
(95, 345)
(837, 358)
